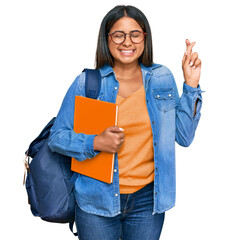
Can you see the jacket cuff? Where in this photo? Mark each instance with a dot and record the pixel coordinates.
(192, 98)
(189, 89)
(88, 146)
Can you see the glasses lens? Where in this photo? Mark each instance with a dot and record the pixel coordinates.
(118, 37)
(137, 37)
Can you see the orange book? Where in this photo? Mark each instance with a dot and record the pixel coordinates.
(93, 117)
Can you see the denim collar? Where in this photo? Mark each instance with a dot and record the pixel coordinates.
(107, 69)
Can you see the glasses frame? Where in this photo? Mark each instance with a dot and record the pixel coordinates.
(111, 34)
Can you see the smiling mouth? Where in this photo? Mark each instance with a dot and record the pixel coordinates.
(127, 51)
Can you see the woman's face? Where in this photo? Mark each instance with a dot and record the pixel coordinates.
(126, 52)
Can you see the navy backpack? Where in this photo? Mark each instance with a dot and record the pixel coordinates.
(48, 181)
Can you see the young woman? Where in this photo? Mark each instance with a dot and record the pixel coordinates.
(151, 118)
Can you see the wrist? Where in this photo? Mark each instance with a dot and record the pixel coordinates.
(95, 143)
(190, 84)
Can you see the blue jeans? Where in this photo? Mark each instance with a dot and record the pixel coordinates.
(135, 222)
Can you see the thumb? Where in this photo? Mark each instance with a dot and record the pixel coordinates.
(116, 129)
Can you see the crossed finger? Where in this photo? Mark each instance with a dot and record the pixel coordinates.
(189, 46)
(188, 57)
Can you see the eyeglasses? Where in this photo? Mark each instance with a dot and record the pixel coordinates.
(118, 37)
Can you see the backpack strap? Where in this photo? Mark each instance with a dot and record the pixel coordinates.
(71, 224)
(92, 83)
(92, 89)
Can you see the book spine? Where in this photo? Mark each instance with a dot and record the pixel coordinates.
(116, 117)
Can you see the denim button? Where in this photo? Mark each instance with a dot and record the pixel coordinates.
(116, 194)
(115, 170)
(115, 87)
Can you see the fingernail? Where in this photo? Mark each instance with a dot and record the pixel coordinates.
(191, 63)
(121, 129)
(194, 67)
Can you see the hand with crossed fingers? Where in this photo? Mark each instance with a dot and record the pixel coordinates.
(191, 65)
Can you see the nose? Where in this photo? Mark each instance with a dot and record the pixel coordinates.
(127, 41)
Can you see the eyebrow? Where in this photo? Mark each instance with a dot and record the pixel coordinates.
(130, 31)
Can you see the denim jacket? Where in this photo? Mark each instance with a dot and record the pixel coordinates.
(172, 119)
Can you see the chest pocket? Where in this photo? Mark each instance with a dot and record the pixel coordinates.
(165, 99)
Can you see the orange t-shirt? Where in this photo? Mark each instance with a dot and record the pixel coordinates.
(136, 156)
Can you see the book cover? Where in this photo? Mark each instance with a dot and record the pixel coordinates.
(93, 116)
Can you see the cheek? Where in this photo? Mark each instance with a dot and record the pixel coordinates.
(111, 47)
(141, 49)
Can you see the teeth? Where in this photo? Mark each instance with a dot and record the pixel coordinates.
(127, 51)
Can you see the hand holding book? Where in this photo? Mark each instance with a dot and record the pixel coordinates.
(110, 140)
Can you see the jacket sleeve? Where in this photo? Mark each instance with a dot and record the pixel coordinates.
(186, 121)
(62, 138)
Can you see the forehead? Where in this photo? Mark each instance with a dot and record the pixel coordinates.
(126, 24)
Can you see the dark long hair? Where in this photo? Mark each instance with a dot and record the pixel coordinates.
(103, 55)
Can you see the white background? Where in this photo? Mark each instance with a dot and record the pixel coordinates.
(45, 44)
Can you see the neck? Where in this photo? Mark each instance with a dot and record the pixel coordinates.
(126, 71)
